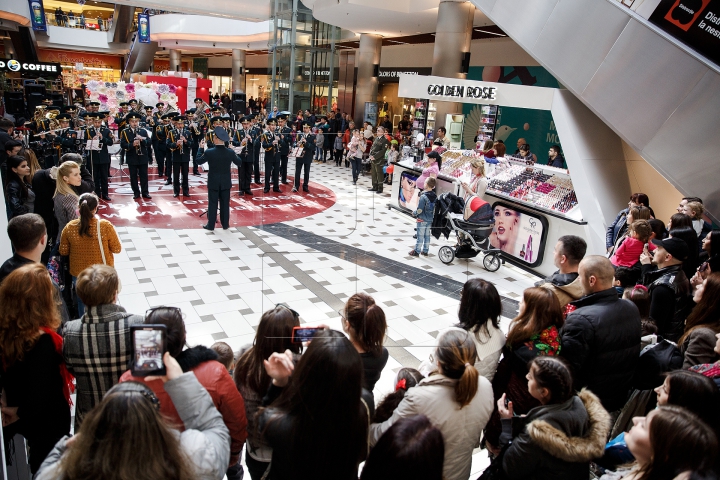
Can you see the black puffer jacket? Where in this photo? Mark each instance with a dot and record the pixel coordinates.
(556, 442)
(601, 341)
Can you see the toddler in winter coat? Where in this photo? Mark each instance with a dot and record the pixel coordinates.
(628, 253)
(424, 215)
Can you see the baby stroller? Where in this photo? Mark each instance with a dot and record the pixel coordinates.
(473, 236)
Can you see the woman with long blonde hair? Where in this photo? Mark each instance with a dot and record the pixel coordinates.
(36, 383)
(65, 198)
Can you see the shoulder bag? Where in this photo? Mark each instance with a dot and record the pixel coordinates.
(102, 250)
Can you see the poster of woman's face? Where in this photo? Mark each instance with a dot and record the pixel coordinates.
(408, 194)
(518, 234)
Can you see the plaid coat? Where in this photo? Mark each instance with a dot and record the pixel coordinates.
(97, 350)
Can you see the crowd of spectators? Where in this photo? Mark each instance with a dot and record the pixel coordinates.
(610, 369)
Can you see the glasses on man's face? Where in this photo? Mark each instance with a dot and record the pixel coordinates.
(284, 305)
(161, 309)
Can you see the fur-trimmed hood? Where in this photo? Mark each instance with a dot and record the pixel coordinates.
(549, 430)
(194, 356)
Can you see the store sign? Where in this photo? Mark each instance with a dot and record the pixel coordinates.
(461, 91)
(471, 91)
(24, 67)
(144, 28)
(696, 23)
(37, 15)
(317, 73)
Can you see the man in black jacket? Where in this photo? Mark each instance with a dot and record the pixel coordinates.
(134, 143)
(670, 301)
(601, 336)
(219, 181)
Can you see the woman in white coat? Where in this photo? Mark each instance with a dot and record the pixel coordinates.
(456, 399)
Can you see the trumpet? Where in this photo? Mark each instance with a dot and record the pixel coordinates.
(138, 147)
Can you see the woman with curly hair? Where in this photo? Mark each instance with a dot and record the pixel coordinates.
(36, 383)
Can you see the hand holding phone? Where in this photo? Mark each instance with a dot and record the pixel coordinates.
(280, 367)
(305, 334)
(149, 346)
(505, 407)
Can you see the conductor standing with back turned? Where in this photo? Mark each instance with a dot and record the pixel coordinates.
(219, 181)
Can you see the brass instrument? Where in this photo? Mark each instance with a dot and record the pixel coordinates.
(54, 124)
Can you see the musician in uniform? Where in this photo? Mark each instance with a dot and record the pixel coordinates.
(243, 139)
(271, 143)
(285, 133)
(307, 141)
(148, 123)
(66, 139)
(162, 156)
(196, 134)
(99, 159)
(256, 132)
(179, 145)
(39, 123)
(133, 107)
(219, 182)
(122, 124)
(214, 123)
(134, 144)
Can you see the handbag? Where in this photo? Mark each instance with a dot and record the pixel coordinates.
(495, 470)
(102, 250)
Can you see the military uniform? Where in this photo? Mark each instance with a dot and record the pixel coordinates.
(246, 157)
(308, 143)
(164, 162)
(99, 159)
(256, 132)
(271, 143)
(137, 157)
(286, 135)
(180, 157)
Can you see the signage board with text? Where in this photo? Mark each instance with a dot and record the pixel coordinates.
(696, 23)
(40, 69)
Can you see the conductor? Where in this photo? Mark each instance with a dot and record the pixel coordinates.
(219, 181)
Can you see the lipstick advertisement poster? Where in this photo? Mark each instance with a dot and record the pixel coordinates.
(519, 233)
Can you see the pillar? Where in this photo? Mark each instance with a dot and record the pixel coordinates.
(453, 34)
(175, 60)
(367, 84)
(238, 70)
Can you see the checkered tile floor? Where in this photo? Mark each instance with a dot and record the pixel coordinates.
(225, 280)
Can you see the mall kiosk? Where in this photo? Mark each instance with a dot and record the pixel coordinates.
(534, 205)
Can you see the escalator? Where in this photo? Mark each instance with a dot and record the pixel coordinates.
(656, 93)
(140, 57)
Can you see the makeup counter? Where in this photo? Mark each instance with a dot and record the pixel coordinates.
(533, 205)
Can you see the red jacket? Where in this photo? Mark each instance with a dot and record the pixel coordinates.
(217, 381)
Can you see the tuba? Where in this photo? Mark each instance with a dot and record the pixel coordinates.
(54, 124)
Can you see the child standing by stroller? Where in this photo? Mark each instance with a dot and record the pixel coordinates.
(424, 215)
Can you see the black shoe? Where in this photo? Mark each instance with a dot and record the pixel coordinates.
(147, 197)
(277, 191)
(414, 254)
(425, 254)
(415, 236)
(241, 193)
(294, 190)
(135, 197)
(176, 195)
(107, 199)
(207, 227)
(285, 183)
(186, 194)
(168, 183)
(226, 228)
(249, 193)
(266, 190)
(306, 190)
(371, 189)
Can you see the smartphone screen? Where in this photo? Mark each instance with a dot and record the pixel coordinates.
(304, 334)
(148, 349)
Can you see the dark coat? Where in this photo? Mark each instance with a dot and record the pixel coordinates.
(601, 342)
(556, 442)
(179, 154)
(219, 160)
(670, 299)
(616, 228)
(15, 198)
(126, 143)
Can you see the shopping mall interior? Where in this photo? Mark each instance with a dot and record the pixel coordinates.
(623, 95)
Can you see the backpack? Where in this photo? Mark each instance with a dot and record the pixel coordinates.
(655, 360)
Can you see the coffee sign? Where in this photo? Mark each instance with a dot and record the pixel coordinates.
(25, 67)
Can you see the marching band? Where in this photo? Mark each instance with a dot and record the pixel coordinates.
(147, 132)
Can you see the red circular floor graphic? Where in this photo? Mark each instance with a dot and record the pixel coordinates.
(166, 211)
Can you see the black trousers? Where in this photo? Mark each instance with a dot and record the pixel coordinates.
(100, 176)
(256, 165)
(223, 197)
(301, 163)
(122, 156)
(272, 169)
(179, 168)
(245, 174)
(142, 171)
(162, 157)
(150, 149)
(194, 151)
(283, 168)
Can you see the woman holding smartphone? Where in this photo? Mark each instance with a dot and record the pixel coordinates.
(274, 334)
(211, 374)
(364, 322)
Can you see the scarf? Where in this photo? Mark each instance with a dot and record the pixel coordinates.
(68, 385)
(710, 370)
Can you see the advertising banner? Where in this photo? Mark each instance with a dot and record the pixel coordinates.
(144, 28)
(519, 233)
(37, 15)
(696, 23)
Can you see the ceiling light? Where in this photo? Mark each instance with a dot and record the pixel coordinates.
(490, 33)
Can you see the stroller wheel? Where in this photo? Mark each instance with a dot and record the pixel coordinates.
(492, 262)
(447, 255)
